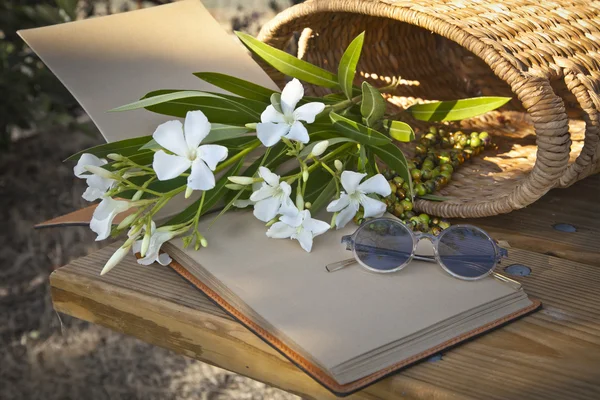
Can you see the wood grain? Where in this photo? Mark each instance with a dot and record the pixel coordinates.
(532, 229)
(554, 353)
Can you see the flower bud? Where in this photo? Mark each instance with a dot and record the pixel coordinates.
(307, 205)
(305, 175)
(251, 125)
(115, 157)
(234, 186)
(338, 165)
(115, 259)
(299, 201)
(128, 220)
(145, 244)
(241, 180)
(137, 195)
(203, 242)
(188, 192)
(99, 171)
(320, 148)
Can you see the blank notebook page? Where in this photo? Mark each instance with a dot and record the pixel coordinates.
(332, 316)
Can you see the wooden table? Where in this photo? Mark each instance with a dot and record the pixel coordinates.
(552, 354)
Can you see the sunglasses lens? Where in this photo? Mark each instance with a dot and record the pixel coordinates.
(383, 244)
(467, 252)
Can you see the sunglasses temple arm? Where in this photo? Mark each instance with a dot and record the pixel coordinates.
(339, 265)
(506, 279)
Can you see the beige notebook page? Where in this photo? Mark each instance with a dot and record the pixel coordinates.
(110, 61)
(332, 316)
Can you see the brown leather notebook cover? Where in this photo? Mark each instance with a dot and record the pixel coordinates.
(318, 374)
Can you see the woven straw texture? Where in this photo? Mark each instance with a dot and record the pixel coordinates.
(544, 54)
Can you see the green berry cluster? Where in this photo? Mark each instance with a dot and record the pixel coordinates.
(438, 153)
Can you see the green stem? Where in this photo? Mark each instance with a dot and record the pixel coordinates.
(335, 177)
(199, 211)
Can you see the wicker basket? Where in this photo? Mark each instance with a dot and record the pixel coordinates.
(545, 54)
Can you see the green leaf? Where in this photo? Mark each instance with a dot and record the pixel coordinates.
(237, 86)
(69, 7)
(332, 142)
(399, 130)
(324, 197)
(211, 198)
(456, 109)
(223, 109)
(433, 197)
(124, 147)
(358, 132)
(348, 62)
(372, 105)
(288, 64)
(393, 157)
(152, 100)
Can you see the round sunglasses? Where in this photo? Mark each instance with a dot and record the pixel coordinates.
(385, 245)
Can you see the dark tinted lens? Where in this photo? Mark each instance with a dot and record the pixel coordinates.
(467, 252)
(383, 244)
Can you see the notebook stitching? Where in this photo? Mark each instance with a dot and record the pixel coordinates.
(317, 372)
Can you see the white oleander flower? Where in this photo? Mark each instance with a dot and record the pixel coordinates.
(300, 226)
(274, 124)
(272, 198)
(104, 215)
(97, 185)
(157, 238)
(355, 195)
(184, 142)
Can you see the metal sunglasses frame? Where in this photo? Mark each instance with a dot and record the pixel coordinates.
(349, 241)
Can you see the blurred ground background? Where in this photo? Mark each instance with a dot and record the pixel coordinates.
(44, 355)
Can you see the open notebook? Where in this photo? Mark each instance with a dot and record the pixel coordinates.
(346, 329)
(349, 328)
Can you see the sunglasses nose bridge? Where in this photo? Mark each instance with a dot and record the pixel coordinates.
(428, 236)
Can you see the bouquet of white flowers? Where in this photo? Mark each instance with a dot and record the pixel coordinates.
(285, 154)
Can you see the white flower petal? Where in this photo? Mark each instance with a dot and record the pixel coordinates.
(372, 207)
(101, 227)
(271, 115)
(280, 230)
(264, 192)
(315, 226)
(308, 112)
(87, 159)
(339, 204)
(270, 133)
(287, 206)
(212, 154)
(272, 179)
(285, 188)
(93, 194)
(196, 127)
(291, 95)
(293, 219)
(137, 247)
(170, 136)
(265, 210)
(201, 177)
(350, 180)
(305, 238)
(346, 215)
(169, 166)
(376, 184)
(298, 132)
(164, 259)
(110, 207)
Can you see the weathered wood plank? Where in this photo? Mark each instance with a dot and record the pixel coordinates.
(554, 353)
(532, 229)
